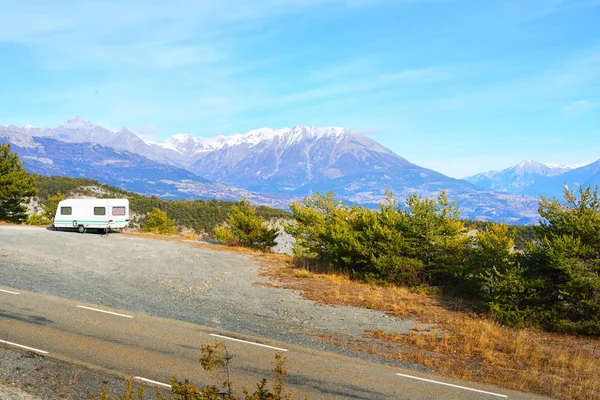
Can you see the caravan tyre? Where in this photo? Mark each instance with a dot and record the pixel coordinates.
(81, 229)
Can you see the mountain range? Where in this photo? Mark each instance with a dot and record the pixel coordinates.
(268, 166)
(533, 178)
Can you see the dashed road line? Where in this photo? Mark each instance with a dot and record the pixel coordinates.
(23, 347)
(245, 341)
(139, 378)
(106, 312)
(8, 291)
(451, 385)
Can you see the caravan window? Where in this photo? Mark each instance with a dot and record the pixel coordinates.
(118, 211)
(99, 210)
(65, 211)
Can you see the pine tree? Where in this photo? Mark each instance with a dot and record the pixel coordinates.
(17, 186)
(244, 228)
(566, 262)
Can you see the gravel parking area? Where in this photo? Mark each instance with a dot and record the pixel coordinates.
(175, 280)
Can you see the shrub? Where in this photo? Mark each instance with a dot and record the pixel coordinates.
(245, 228)
(38, 220)
(158, 222)
(52, 205)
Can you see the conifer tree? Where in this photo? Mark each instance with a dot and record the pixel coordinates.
(17, 186)
(566, 262)
(245, 228)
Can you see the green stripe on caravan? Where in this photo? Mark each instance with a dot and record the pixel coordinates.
(64, 221)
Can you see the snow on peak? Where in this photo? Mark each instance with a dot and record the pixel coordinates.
(529, 163)
(78, 119)
(567, 167)
(192, 144)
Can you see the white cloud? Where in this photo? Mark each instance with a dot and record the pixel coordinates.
(579, 107)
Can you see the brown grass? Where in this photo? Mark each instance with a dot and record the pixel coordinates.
(189, 235)
(463, 345)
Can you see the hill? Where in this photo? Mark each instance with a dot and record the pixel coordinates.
(200, 215)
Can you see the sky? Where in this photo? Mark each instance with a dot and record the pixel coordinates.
(458, 86)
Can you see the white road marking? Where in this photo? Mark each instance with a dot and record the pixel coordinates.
(23, 347)
(106, 312)
(449, 384)
(151, 381)
(245, 341)
(8, 291)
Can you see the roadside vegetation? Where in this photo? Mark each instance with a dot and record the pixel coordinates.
(246, 229)
(216, 360)
(553, 284)
(463, 343)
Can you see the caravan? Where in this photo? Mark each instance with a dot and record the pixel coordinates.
(100, 214)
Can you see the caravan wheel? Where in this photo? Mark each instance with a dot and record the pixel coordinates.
(81, 229)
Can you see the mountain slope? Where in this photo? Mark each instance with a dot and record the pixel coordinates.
(126, 170)
(80, 130)
(588, 175)
(302, 160)
(518, 178)
(286, 160)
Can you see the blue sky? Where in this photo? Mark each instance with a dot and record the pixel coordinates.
(457, 86)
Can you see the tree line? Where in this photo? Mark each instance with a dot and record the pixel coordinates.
(553, 283)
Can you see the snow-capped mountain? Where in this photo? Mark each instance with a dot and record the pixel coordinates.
(553, 186)
(285, 160)
(518, 178)
(80, 130)
(301, 160)
(287, 163)
(124, 169)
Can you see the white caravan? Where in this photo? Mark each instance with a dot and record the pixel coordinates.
(82, 214)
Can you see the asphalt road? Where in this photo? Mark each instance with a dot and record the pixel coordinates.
(156, 349)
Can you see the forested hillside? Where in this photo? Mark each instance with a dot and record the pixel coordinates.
(200, 215)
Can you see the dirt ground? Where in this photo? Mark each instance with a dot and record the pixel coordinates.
(171, 279)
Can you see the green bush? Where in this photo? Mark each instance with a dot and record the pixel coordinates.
(245, 228)
(38, 220)
(52, 205)
(406, 246)
(158, 222)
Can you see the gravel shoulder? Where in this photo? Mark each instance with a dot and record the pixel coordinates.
(176, 280)
(28, 376)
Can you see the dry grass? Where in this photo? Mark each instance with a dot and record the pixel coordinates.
(189, 235)
(464, 345)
